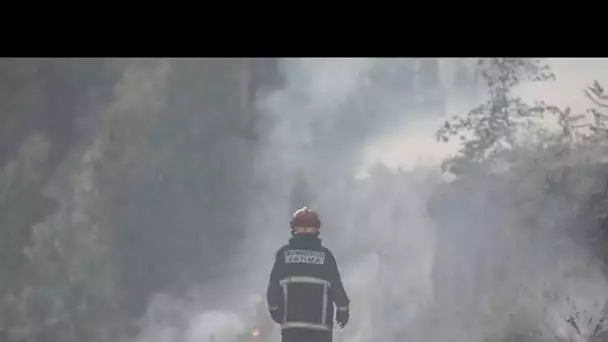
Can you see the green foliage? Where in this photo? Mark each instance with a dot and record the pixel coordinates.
(19, 207)
(551, 183)
(144, 204)
(597, 95)
(495, 124)
(173, 175)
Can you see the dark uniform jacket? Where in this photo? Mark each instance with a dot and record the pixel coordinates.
(304, 285)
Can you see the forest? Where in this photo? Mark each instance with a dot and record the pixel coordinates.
(138, 197)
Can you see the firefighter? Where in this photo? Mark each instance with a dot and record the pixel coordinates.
(305, 284)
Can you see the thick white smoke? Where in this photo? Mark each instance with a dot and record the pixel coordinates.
(334, 118)
(322, 108)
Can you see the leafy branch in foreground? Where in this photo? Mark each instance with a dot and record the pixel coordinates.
(597, 95)
(495, 122)
(578, 127)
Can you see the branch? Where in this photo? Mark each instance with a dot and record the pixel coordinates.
(598, 90)
(599, 325)
(602, 97)
(598, 114)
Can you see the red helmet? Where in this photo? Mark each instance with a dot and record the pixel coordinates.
(305, 217)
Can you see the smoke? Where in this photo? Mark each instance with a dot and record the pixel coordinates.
(477, 273)
(317, 129)
(422, 258)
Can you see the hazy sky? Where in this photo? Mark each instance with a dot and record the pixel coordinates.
(418, 146)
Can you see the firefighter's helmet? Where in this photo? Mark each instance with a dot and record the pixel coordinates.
(305, 217)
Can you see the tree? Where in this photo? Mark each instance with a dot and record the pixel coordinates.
(495, 124)
(552, 189)
(146, 194)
